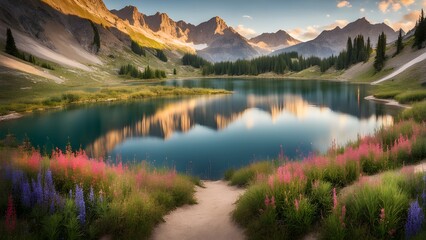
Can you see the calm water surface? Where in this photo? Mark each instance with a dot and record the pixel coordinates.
(206, 135)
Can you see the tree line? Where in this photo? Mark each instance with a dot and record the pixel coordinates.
(147, 73)
(11, 49)
(278, 64)
(141, 51)
(194, 61)
(420, 33)
(356, 51)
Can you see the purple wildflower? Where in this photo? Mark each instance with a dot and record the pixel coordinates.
(17, 176)
(414, 220)
(79, 202)
(25, 194)
(49, 190)
(91, 195)
(70, 193)
(424, 198)
(52, 203)
(48, 179)
(37, 190)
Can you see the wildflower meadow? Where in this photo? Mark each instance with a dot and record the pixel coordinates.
(328, 195)
(68, 195)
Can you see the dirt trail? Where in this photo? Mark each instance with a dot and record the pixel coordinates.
(402, 68)
(12, 63)
(209, 219)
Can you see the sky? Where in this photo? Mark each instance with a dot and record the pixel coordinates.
(303, 19)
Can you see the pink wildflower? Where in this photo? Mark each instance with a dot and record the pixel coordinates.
(342, 217)
(382, 215)
(271, 181)
(10, 215)
(267, 201)
(273, 201)
(334, 198)
(296, 204)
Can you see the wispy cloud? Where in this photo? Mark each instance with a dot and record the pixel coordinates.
(248, 17)
(395, 5)
(343, 4)
(245, 31)
(406, 23)
(362, 10)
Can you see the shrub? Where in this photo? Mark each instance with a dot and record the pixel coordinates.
(160, 55)
(244, 176)
(417, 112)
(47, 66)
(70, 97)
(138, 49)
(320, 196)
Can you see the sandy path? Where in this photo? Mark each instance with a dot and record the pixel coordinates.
(209, 219)
(20, 66)
(402, 68)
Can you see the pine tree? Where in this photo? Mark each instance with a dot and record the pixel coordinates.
(138, 49)
(420, 33)
(380, 53)
(399, 44)
(174, 71)
(10, 44)
(369, 50)
(96, 38)
(349, 53)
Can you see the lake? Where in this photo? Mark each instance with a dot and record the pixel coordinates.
(206, 135)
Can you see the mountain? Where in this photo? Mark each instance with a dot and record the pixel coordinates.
(273, 41)
(214, 39)
(332, 42)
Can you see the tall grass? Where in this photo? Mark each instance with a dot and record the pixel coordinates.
(306, 191)
(71, 196)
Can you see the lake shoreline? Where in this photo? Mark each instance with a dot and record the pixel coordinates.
(17, 114)
(278, 77)
(388, 102)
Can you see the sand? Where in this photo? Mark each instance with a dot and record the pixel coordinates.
(389, 102)
(209, 219)
(14, 64)
(10, 116)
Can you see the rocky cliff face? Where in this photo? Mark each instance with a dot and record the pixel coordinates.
(332, 42)
(222, 41)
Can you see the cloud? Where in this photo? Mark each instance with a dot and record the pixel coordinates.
(407, 2)
(311, 32)
(424, 3)
(362, 10)
(343, 4)
(395, 5)
(406, 23)
(248, 17)
(328, 15)
(246, 32)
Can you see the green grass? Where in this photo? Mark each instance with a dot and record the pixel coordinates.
(297, 196)
(375, 210)
(417, 112)
(128, 200)
(411, 96)
(42, 97)
(244, 176)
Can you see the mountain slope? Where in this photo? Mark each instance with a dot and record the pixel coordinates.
(273, 41)
(221, 42)
(332, 42)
